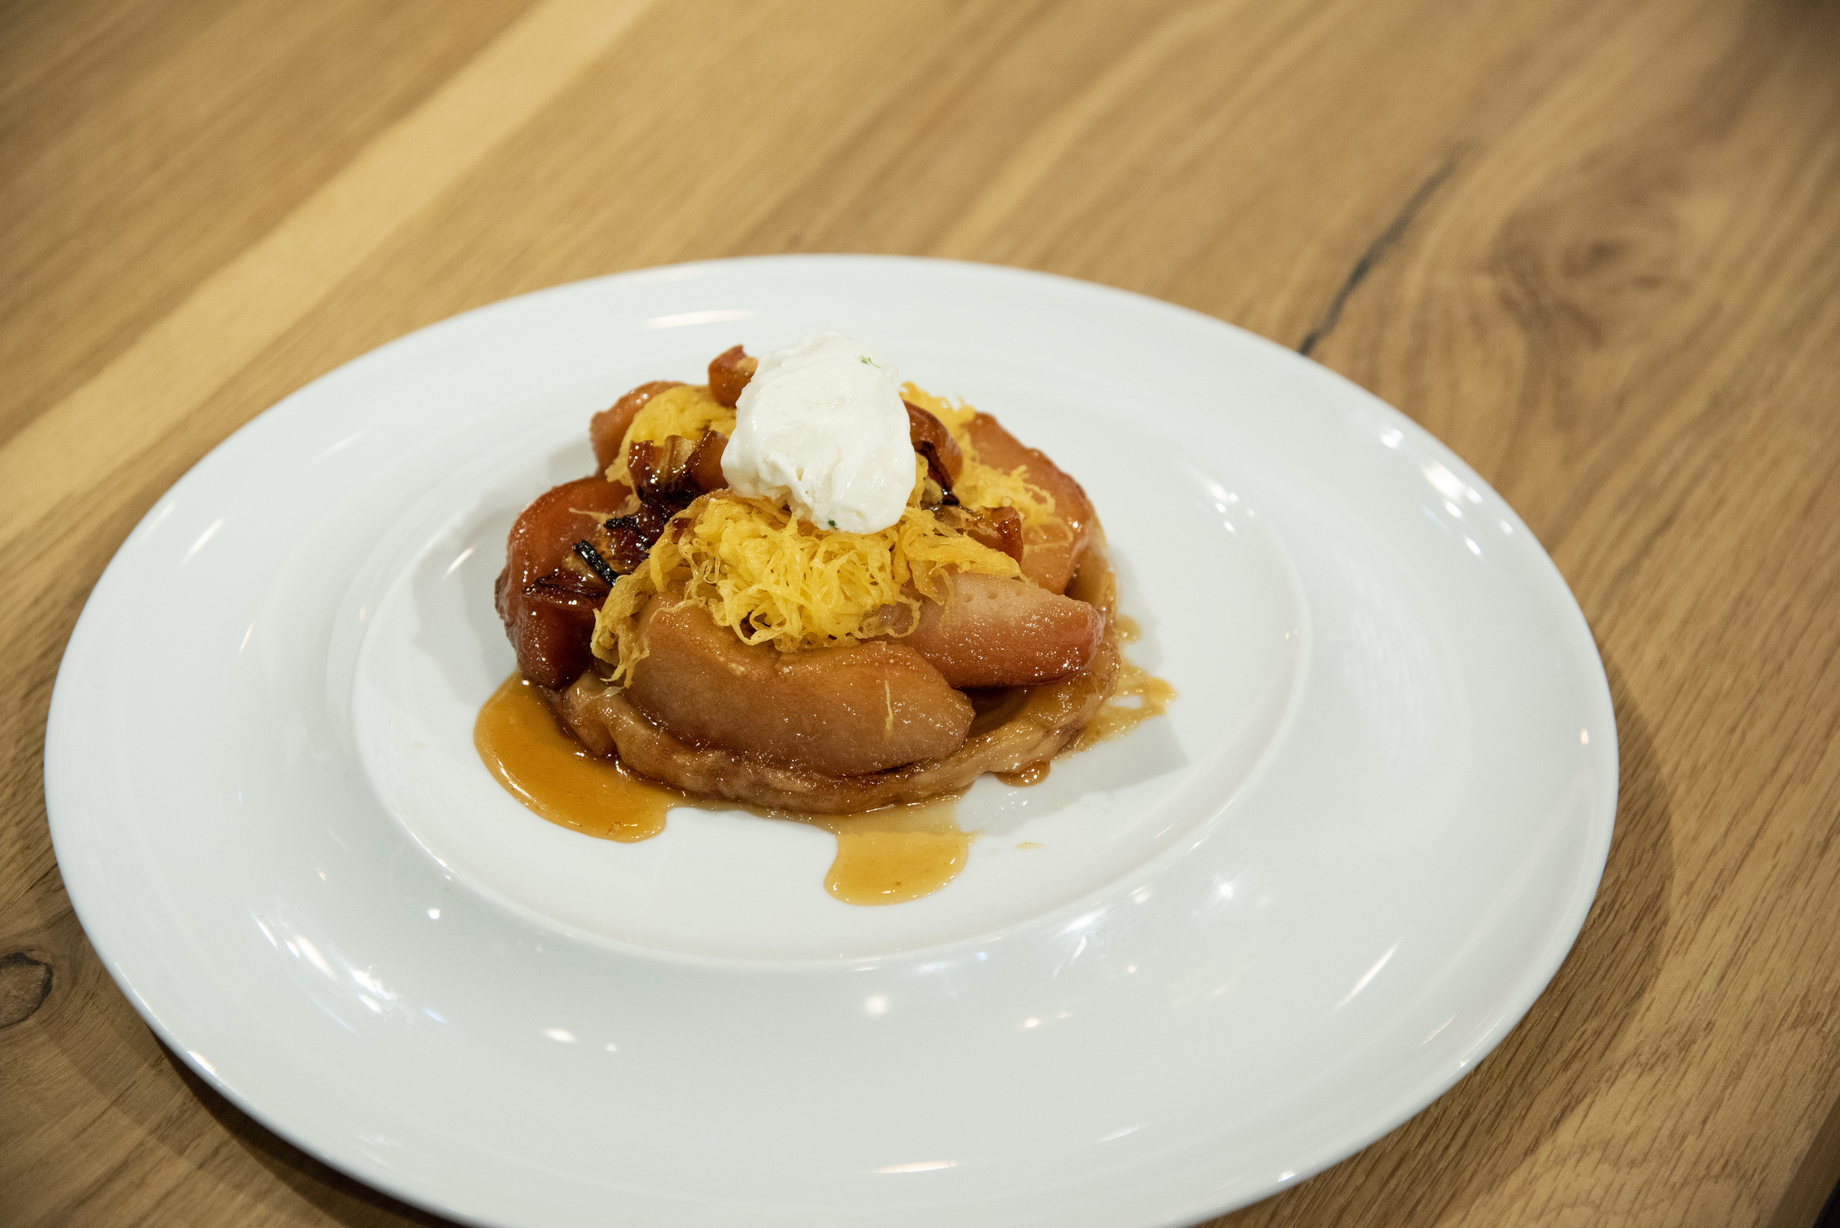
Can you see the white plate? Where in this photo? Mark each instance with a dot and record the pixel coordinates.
(1257, 934)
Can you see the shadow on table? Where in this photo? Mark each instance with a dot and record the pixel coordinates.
(1477, 1134)
(345, 1200)
(1813, 1196)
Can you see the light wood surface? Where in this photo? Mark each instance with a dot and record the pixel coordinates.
(1593, 247)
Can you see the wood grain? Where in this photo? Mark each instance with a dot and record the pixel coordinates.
(1593, 247)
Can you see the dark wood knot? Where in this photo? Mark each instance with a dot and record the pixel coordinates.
(25, 983)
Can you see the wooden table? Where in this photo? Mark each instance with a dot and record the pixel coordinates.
(1593, 247)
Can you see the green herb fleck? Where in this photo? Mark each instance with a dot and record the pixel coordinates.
(831, 523)
(868, 360)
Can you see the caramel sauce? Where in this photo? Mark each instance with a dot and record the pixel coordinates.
(1120, 715)
(545, 767)
(894, 854)
(885, 856)
(1028, 774)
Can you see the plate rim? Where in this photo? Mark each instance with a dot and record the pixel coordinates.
(1533, 980)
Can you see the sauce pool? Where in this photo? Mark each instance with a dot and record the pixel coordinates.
(885, 856)
(894, 854)
(544, 767)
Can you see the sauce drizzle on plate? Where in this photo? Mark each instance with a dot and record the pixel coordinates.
(543, 766)
(1120, 714)
(885, 856)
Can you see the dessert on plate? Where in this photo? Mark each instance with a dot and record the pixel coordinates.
(807, 586)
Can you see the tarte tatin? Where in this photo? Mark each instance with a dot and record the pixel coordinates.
(727, 645)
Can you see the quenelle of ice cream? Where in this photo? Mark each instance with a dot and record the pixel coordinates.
(820, 429)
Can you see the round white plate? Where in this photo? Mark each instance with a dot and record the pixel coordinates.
(1195, 965)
